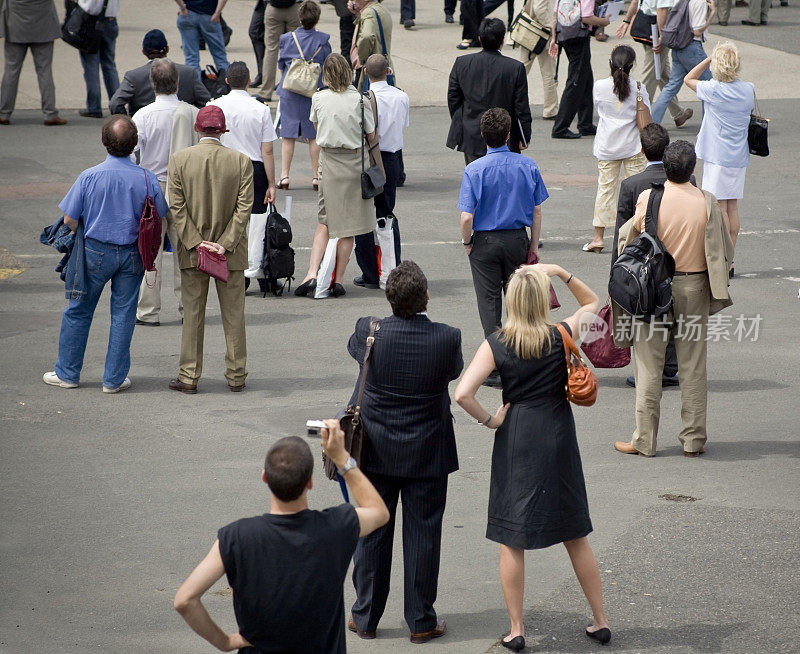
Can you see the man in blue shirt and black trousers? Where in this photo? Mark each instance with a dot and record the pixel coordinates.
(501, 194)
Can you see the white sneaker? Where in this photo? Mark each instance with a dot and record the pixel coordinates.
(53, 379)
(125, 385)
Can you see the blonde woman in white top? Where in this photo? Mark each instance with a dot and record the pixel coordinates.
(616, 144)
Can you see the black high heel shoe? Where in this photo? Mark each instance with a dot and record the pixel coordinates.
(603, 636)
(516, 644)
(306, 288)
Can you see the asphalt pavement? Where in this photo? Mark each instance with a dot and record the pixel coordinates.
(107, 502)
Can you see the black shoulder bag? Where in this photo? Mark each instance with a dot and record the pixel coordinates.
(372, 179)
(81, 29)
(757, 141)
(350, 422)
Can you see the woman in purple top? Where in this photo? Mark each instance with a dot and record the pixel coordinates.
(296, 108)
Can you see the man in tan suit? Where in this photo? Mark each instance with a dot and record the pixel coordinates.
(211, 194)
(691, 227)
(371, 18)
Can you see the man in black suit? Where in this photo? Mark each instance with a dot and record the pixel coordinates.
(409, 451)
(655, 140)
(482, 81)
(135, 91)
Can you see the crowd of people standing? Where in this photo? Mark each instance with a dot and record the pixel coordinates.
(207, 167)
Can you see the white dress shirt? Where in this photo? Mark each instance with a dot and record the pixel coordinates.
(94, 7)
(248, 121)
(154, 122)
(393, 115)
(617, 134)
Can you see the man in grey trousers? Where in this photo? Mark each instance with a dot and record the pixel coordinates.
(29, 25)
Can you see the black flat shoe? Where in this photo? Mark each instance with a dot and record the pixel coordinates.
(338, 290)
(306, 288)
(589, 131)
(566, 134)
(516, 644)
(603, 636)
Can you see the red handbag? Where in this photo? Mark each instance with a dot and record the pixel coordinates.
(149, 233)
(554, 303)
(598, 345)
(213, 264)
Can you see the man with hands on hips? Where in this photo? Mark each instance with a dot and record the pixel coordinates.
(271, 613)
(497, 193)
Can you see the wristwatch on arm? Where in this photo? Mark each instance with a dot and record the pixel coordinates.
(347, 467)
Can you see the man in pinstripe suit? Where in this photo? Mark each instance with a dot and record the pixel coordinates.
(409, 452)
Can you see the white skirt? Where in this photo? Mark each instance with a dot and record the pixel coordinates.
(725, 183)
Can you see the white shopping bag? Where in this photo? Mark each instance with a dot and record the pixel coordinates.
(327, 269)
(384, 249)
(255, 245)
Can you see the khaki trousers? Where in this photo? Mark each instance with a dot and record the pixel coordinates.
(688, 320)
(608, 181)
(547, 67)
(648, 75)
(276, 22)
(149, 306)
(194, 292)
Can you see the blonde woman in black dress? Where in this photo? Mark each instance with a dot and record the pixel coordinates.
(537, 496)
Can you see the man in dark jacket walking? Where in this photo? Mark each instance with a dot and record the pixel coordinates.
(482, 81)
(410, 451)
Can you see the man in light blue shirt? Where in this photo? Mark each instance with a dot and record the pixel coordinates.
(106, 203)
(501, 195)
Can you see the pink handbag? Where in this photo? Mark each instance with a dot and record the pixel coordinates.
(213, 264)
(598, 345)
(554, 303)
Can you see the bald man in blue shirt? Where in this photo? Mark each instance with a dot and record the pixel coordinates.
(105, 203)
(501, 195)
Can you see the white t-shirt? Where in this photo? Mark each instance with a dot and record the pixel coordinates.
(248, 121)
(698, 10)
(94, 7)
(393, 117)
(617, 134)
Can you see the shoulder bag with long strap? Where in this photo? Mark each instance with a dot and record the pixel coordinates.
(581, 382)
(350, 422)
(373, 178)
(81, 29)
(303, 74)
(384, 50)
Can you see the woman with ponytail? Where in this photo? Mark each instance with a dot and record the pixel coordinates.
(616, 144)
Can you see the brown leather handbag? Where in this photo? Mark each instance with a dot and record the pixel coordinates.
(350, 421)
(581, 382)
(643, 117)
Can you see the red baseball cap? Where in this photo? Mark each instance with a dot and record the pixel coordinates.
(210, 119)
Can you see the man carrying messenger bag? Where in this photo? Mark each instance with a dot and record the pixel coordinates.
(530, 33)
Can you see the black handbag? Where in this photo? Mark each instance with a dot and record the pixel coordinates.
(372, 179)
(757, 140)
(350, 421)
(82, 30)
(642, 28)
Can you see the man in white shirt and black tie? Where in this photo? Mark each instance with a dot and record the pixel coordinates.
(392, 118)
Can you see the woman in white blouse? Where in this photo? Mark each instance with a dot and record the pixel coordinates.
(616, 144)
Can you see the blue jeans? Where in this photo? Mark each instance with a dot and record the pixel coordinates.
(103, 60)
(122, 265)
(191, 27)
(682, 62)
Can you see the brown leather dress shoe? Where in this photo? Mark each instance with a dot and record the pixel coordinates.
(177, 385)
(58, 120)
(366, 635)
(627, 448)
(236, 389)
(5, 121)
(698, 453)
(439, 630)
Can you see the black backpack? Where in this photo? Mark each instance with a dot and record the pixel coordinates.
(214, 81)
(278, 260)
(641, 277)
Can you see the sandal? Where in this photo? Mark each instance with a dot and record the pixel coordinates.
(281, 184)
(588, 247)
(315, 183)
